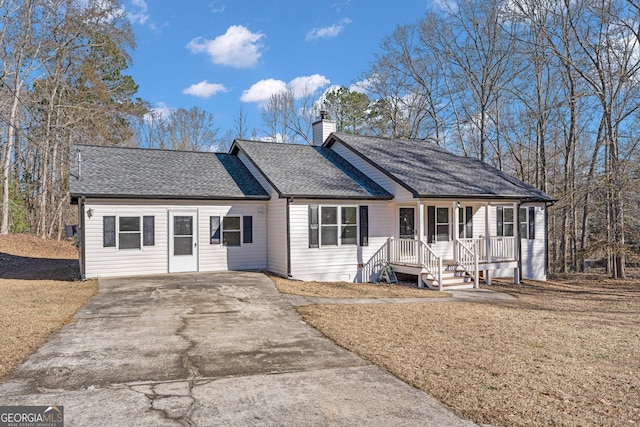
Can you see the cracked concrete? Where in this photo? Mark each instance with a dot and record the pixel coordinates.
(208, 349)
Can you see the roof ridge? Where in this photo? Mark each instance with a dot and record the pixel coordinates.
(169, 150)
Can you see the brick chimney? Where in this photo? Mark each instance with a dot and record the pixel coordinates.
(322, 128)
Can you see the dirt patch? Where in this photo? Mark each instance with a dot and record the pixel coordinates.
(562, 353)
(352, 290)
(27, 257)
(38, 294)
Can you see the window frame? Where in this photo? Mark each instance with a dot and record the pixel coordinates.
(339, 225)
(513, 221)
(528, 221)
(217, 235)
(442, 224)
(523, 221)
(143, 244)
(465, 223)
(224, 231)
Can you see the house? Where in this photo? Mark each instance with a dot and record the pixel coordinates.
(339, 209)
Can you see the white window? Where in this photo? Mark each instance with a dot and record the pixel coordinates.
(338, 226)
(231, 231)
(442, 225)
(132, 231)
(505, 221)
(523, 230)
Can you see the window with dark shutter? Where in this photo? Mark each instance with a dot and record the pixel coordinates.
(469, 222)
(532, 222)
(109, 231)
(313, 226)
(247, 229)
(148, 231)
(500, 221)
(431, 224)
(364, 225)
(214, 222)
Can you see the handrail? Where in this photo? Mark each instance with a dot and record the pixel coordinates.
(468, 260)
(502, 248)
(416, 252)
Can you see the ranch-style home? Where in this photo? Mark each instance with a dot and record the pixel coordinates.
(343, 208)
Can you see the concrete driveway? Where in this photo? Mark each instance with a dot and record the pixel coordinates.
(208, 349)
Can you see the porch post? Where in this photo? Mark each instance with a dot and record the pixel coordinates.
(516, 241)
(456, 220)
(420, 231)
(487, 233)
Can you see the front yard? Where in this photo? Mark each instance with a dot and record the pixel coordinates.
(38, 294)
(562, 353)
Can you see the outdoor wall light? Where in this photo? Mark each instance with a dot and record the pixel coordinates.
(90, 212)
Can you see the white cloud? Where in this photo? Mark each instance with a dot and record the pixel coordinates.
(160, 111)
(139, 13)
(302, 86)
(238, 47)
(216, 7)
(445, 5)
(361, 86)
(328, 32)
(204, 89)
(261, 91)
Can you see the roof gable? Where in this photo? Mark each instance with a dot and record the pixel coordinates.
(305, 171)
(427, 170)
(107, 171)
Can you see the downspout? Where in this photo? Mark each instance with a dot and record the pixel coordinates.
(519, 242)
(546, 239)
(288, 239)
(83, 263)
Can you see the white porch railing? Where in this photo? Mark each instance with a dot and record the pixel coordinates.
(502, 248)
(416, 252)
(468, 260)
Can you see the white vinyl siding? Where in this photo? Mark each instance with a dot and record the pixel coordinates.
(103, 261)
(337, 263)
(276, 222)
(400, 193)
(533, 250)
(247, 256)
(110, 261)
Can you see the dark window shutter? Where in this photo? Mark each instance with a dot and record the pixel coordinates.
(148, 231)
(500, 221)
(431, 224)
(532, 222)
(247, 229)
(364, 225)
(215, 230)
(109, 231)
(313, 226)
(469, 223)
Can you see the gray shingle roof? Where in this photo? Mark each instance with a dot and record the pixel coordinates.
(309, 172)
(145, 173)
(427, 170)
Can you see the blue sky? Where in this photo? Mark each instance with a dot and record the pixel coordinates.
(221, 54)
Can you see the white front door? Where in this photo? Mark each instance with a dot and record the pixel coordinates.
(183, 241)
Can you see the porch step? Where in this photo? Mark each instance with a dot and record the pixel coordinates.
(451, 279)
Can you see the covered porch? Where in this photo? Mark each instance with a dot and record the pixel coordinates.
(452, 244)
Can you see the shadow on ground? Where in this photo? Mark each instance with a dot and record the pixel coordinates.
(26, 268)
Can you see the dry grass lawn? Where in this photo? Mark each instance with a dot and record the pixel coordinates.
(352, 290)
(562, 353)
(32, 310)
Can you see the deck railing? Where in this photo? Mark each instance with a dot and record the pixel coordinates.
(502, 248)
(468, 260)
(416, 252)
